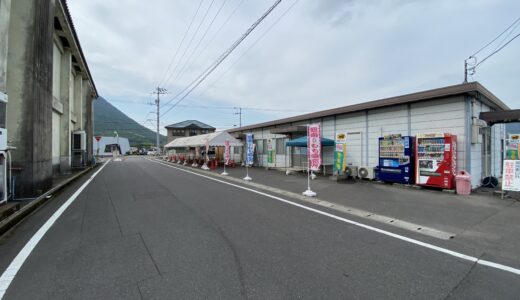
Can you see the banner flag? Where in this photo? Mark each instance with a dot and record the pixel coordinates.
(314, 146)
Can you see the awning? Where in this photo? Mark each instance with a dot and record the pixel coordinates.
(504, 116)
(302, 142)
(215, 139)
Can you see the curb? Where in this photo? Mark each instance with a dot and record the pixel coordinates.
(23, 212)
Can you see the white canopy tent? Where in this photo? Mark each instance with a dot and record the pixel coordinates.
(215, 139)
(184, 146)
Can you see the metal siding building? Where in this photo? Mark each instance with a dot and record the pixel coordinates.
(453, 109)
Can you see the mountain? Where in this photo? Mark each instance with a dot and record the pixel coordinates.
(108, 119)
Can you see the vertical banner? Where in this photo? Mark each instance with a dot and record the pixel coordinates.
(340, 150)
(226, 152)
(207, 149)
(250, 149)
(511, 178)
(270, 152)
(314, 146)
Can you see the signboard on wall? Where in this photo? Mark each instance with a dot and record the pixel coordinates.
(512, 149)
(511, 178)
(314, 146)
(340, 150)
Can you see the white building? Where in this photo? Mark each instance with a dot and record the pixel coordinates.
(453, 109)
(107, 144)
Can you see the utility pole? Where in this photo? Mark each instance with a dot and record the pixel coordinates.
(158, 91)
(240, 115)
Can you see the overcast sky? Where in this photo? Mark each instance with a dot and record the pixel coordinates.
(305, 56)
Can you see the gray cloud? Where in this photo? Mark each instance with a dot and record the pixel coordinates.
(322, 54)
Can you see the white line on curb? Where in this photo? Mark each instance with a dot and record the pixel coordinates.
(371, 228)
(18, 261)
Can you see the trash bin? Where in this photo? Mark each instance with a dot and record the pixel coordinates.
(463, 180)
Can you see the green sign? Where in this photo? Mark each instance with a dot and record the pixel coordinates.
(340, 152)
(270, 151)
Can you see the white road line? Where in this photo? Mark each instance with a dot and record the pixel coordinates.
(371, 228)
(18, 261)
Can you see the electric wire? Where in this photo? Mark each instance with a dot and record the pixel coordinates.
(181, 43)
(212, 67)
(496, 51)
(189, 59)
(190, 42)
(222, 75)
(498, 36)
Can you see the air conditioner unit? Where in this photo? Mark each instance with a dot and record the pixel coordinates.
(366, 172)
(351, 171)
(79, 140)
(3, 139)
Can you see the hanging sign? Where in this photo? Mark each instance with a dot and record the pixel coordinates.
(340, 152)
(250, 149)
(226, 152)
(314, 146)
(511, 179)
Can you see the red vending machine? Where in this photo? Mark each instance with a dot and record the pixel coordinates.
(436, 160)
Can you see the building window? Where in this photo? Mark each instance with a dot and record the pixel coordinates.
(177, 132)
(204, 131)
(193, 132)
(280, 146)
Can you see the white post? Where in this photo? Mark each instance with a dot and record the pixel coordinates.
(247, 178)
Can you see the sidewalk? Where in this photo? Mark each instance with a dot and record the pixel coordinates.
(483, 222)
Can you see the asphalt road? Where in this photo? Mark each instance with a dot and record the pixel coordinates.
(144, 230)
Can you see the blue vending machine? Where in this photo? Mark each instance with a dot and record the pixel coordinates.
(396, 159)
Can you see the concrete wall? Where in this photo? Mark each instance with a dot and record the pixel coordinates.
(29, 77)
(45, 93)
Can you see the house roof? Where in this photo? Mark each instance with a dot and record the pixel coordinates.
(472, 88)
(189, 124)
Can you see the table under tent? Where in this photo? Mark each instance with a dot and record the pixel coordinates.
(191, 150)
(299, 159)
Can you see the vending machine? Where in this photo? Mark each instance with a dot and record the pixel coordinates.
(396, 159)
(436, 155)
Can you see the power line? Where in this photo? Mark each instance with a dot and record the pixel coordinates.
(473, 65)
(191, 41)
(496, 51)
(498, 36)
(212, 67)
(180, 44)
(249, 48)
(189, 59)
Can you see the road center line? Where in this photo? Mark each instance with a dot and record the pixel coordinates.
(11, 271)
(368, 227)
